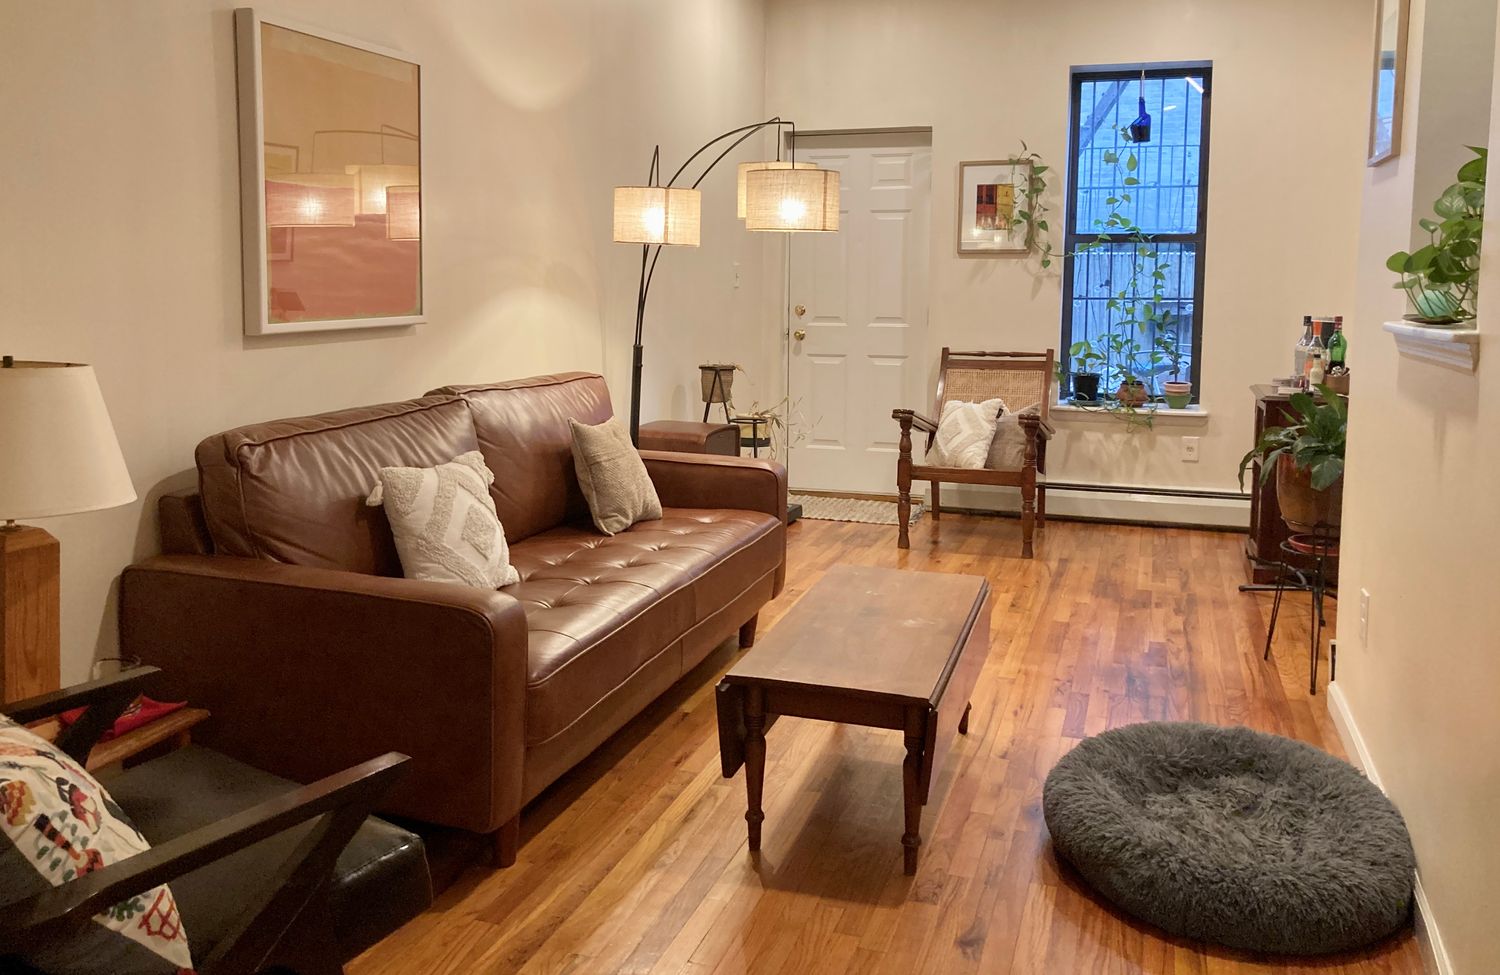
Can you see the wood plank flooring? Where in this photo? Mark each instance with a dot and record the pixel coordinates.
(636, 861)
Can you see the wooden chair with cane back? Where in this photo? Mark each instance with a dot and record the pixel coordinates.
(1022, 380)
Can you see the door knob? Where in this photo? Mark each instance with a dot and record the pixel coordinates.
(800, 334)
(800, 310)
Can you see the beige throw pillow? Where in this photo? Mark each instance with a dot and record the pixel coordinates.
(613, 476)
(445, 523)
(1008, 450)
(964, 433)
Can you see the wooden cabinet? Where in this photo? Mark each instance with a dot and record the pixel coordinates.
(1267, 530)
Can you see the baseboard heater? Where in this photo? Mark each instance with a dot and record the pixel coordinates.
(1071, 500)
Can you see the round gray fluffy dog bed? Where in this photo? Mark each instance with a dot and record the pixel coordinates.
(1234, 837)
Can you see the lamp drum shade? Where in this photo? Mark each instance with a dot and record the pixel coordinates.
(403, 214)
(58, 452)
(657, 215)
(372, 181)
(312, 200)
(746, 167)
(792, 200)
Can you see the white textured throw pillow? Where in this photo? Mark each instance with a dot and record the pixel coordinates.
(445, 523)
(964, 433)
(1008, 450)
(613, 476)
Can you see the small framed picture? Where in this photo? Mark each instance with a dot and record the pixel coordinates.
(1388, 84)
(990, 195)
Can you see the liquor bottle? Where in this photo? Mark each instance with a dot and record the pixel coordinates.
(1315, 371)
(1299, 355)
(1338, 347)
(1316, 350)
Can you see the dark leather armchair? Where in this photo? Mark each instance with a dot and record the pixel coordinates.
(267, 875)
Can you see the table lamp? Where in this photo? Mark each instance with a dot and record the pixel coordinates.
(58, 456)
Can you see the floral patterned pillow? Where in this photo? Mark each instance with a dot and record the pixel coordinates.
(58, 823)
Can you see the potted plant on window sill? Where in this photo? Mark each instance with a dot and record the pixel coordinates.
(1441, 278)
(1307, 460)
(1178, 394)
(1087, 363)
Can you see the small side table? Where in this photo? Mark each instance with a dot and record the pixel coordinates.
(165, 734)
(756, 440)
(1307, 562)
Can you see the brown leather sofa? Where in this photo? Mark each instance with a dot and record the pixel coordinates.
(279, 603)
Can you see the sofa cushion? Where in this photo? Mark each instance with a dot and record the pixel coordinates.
(522, 429)
(380, 881)
(294, 490)
(613, 476)
(600, 607)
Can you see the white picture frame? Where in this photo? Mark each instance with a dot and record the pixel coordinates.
(990, 192)
(332, 293)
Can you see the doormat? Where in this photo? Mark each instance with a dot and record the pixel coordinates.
(864, 510)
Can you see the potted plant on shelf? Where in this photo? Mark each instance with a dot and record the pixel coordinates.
(1307, 460)
(1177, 393)
(1087, 363)
(1441, 278)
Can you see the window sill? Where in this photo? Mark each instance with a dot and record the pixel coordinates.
(1196, 412)
(1456, 348)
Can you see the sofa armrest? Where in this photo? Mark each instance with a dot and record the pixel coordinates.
(308, 671)
(714, 481)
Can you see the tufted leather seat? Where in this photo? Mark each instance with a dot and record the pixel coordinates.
(600, 607)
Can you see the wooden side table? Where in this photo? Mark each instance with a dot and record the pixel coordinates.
(165, 734)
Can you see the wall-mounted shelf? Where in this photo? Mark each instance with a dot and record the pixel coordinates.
(1456, 348)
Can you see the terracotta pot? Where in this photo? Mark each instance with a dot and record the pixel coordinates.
(1302, 508)
(1132, 393)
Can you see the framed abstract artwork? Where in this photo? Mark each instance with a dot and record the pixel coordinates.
(989, 193)
(330, 180)
(1388, 84)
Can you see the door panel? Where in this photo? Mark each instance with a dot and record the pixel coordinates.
(863, 295)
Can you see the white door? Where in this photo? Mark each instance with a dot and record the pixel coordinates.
(858, 319)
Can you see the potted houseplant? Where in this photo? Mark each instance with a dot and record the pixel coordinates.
(1125, 354)
(1175, 391)
(1307, 460)
(1087, 363)
(1441, 278)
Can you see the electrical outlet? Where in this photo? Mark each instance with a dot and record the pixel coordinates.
(1190, 450)
(1364, 616)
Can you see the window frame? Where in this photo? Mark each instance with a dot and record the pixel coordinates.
(1199, 237)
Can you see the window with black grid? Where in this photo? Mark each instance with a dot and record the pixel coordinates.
(1168, 204)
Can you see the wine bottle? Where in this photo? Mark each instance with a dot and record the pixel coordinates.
(1338, 346)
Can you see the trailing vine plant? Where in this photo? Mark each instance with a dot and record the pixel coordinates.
(1133, 348)
(1033, 210)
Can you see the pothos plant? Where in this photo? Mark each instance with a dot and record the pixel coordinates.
(1032, 213)
(1132, 348)
(1441, 278)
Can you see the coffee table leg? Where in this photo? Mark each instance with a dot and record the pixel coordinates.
(755, 761)
(963, 722)
(911, 771)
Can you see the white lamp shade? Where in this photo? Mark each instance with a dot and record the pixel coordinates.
(403, 212)
(58, 452)
(311, 200)
(746, 167)
(792, 200)
(657, 215)
(372, 182)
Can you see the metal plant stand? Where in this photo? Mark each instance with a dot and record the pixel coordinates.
(1304, 567)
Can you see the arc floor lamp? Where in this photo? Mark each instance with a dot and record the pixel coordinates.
(777, 195)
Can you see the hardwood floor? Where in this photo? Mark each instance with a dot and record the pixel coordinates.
(636, 861)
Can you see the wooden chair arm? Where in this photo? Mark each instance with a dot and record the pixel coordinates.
(917, 420)
(105, 699)
(345, 800)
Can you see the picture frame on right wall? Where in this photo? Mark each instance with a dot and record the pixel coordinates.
(1388, 81)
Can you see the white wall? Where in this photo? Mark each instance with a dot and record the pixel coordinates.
(122, 234)
(1290, 100)
(1420, 521)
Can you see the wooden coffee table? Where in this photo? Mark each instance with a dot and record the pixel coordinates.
(879, 648)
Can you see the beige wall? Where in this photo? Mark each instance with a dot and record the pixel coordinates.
(1288, 122)
(1420, 521)
(122, 231)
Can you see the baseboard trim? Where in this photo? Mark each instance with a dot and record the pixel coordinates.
(1434, 956)
(1150, 506)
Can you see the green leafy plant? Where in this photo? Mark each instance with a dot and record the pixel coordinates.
(1441, 278)
(1033, 210)
(1131, 348)
(1315, 443)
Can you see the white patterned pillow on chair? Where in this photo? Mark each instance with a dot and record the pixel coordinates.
(445, 523)
(964, 434)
